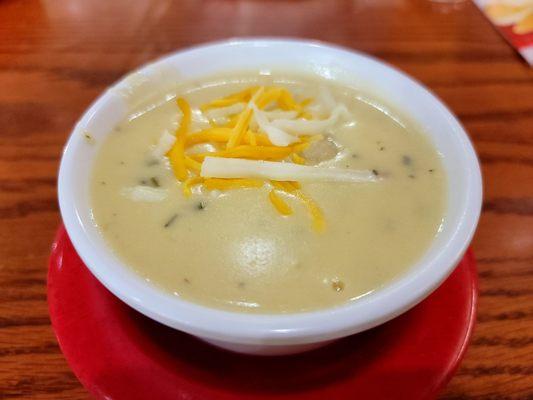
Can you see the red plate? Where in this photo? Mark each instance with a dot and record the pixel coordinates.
(118, 354)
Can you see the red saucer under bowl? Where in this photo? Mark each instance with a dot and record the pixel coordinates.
(119, 354)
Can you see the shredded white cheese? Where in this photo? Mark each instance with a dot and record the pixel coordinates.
(198, 120)
(217, 167)
(165, 143)
(309, 127)
(276, 135)
(144, 193)
(325, 101)
(280, 114)
(326, 98)
(224, 112)
(201, 148)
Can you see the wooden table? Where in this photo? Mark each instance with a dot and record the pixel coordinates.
(57, 56)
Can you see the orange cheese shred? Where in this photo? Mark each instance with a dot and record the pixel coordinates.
(318, 221)
(232, 121)
(251, 138)
(297, 159)
(286, 186)
(176, 154)
(227, 184)
(195, 180)
(260, 139)
(286, 101)
(270, 95)
(250, 152)
(239, 97)
(293, 188)
(222, 135)
(281, 206)
(193, 164)
(219, 135)
(240, 129)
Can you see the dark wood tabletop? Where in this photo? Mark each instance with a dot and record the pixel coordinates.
(57, 56)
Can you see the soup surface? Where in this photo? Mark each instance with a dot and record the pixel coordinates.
(232, 249)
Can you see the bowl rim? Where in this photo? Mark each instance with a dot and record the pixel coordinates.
(291, 328)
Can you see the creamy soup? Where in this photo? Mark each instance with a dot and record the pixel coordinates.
(252, 244)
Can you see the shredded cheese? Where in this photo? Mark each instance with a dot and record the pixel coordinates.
(198, 120)
(176, 154)
(275, 135)
(280, 114)
(227, 111)
(282, 207)
(310, 127)
(219, 135)
(326, 99)
(260, 138)
(222, 135)
(165, 143)
(241, 127)
(319, 224)
(189, 183)
(251, 152)
(226, 184)
(268, 96)
(293, 188)
(251, 137)
(218, 167)
(232, 121)
(145, 194)
(286, 186)
(243, 96)
(248, 138)
(297, 159)
(286, 102)
(193, 164)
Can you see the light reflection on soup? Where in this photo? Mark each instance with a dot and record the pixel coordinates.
(233, 250)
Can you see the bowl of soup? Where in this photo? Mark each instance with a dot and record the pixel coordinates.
(269, 196)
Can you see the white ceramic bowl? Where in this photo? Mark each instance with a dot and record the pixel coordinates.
(275, 334)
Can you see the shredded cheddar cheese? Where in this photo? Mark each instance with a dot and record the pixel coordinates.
(264, 130)
(281, 185)
(304, 103)
(240, 129)
(280, 205)
(297, 159)
(269, 96)
(251, 137)
(222, 135)
(319, 224)
(242, 96)
(226, 184)
(260, 139)
(176, 154)
(189, 183)
(252, 152)
(293, 188)
(232, 121)
(193, 164)
(290, 186)
(215, 134)
(286, 102)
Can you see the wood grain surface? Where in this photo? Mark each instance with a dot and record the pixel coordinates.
(57, 56)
